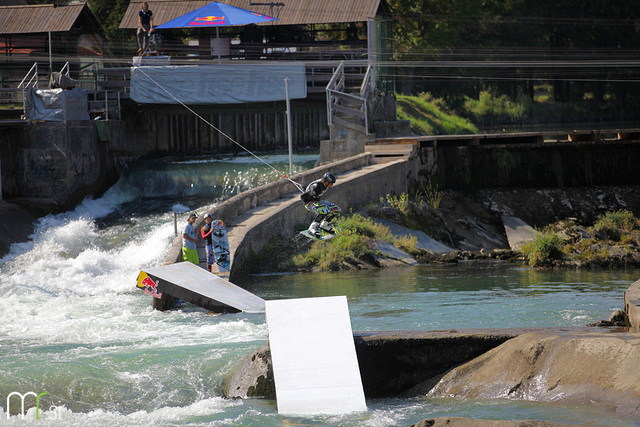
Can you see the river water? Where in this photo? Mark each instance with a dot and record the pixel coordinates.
(73, 324)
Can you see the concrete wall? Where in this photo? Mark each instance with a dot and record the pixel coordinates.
(532, 165)
(56, 162)
(356, 187)
(272, 210)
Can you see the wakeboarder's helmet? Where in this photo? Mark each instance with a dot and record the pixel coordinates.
(329, 177)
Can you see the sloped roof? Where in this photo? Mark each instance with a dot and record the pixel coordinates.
(292, 12)
(44, 18)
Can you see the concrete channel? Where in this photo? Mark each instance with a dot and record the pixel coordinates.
(255, 217)
(392, 364)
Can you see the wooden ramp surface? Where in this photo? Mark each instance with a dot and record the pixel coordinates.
(315, 367)
(198, 286)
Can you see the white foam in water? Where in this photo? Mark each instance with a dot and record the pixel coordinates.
(62, 416)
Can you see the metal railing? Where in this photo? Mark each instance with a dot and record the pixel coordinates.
(65, 69)
(354, 108)
(31, 78)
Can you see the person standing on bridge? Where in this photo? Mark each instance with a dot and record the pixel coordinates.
(145, 27)
(189, 248)
(325, 211)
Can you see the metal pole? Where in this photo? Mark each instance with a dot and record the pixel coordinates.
(286, 88)
(175, 223)
(50, 61)
(218, 44)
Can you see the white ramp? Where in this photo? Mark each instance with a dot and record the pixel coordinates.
(518, 232)
(198, 286)
(314, 357)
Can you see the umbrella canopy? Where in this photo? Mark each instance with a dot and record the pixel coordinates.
(216, 14)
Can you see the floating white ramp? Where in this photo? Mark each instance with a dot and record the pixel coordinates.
(198, 286)
(315, 367)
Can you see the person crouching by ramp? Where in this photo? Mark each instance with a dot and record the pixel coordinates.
(325, 211)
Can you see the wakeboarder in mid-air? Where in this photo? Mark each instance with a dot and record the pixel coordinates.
(325, 211)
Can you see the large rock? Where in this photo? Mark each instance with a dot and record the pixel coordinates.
(254, 376)
(572, 367)
(632, 305)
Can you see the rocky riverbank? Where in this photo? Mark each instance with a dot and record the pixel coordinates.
(568, 366)
(583, 368)
(466, 226)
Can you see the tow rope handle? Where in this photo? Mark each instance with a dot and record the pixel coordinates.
(298, 186)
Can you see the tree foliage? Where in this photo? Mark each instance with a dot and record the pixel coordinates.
(526, 31)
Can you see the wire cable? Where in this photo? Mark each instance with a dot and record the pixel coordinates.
(297, 185)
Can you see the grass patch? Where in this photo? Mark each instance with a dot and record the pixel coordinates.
(617, 224)
(543, 250)
(613, 235)
(431, 116)
(430, 195)
(354, 243)
(489, 107)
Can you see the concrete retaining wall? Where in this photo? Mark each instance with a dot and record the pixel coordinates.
(632, 305)
(532, 165)
(232, 208)
(278, 221)
(58, 162)
(270, 211)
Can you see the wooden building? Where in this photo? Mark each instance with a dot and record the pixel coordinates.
(26, 29)
(48, 33)
(321, 34)
(304, 29)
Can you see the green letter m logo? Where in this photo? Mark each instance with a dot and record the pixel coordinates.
(22, 396)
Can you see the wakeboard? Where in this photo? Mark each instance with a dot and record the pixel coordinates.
(323, 235)
(220, 245)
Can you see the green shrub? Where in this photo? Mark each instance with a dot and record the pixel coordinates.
(399, 202)
(430, 194)
(407, 244)
(543, 250)
(489, 106)
(616, 224)
(352, 244)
